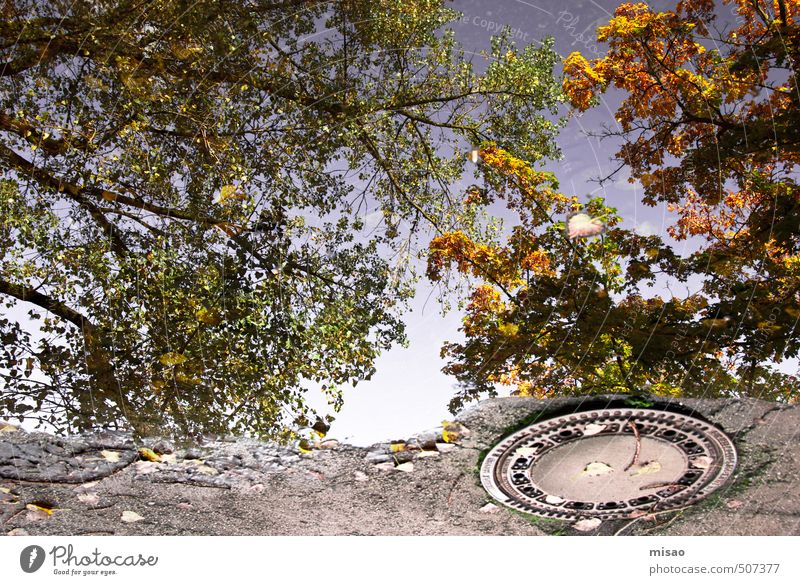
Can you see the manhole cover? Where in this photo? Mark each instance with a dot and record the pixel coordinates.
(608, 464)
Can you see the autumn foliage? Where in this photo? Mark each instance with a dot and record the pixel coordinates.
(709, 127)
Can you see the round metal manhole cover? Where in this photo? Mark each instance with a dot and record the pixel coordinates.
(609, 464)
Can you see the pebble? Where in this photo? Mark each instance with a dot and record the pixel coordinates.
(360, 476)
(490, 509)
(163, 447)
(373, 457)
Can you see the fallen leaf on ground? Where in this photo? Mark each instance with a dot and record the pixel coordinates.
(489, 509)
(110, 456)
(453, 432)
(593, 429)
(407, 467)
(45, 509)
(149, 455)
(554, 500)
(397, 447)
(587, 524)
(427, 454)
(329, 444)
(89, 499)
(525, 451)
(596, 468)
(646, 468)
(7, 428)
(305, 446)
(37, 513)
(702, 462)
(129, 516)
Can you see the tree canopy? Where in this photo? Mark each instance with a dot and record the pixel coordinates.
(709, 125)
(208, 206)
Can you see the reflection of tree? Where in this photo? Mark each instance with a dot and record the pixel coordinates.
(183, 183)
(710, 127)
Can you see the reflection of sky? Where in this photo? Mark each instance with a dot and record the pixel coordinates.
(409, 393)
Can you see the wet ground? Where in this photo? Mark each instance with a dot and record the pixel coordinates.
(109, 484)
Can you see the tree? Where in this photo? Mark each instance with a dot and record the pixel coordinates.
(709, 124)
(186, 243)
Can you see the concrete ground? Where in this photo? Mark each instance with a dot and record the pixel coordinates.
(102, 484)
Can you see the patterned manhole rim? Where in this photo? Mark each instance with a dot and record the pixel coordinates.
(708, 456)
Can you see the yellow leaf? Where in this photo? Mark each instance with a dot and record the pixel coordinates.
(149, 455)
(647, 468)
(596, 468)
(34, 507)
(450, 437)
(172, 359)
(6, 428)
(305, 446)
(397, 447)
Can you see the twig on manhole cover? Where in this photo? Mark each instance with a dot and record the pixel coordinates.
(635, 459)
(660, 484)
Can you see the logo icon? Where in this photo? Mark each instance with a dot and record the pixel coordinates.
(31, 558)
